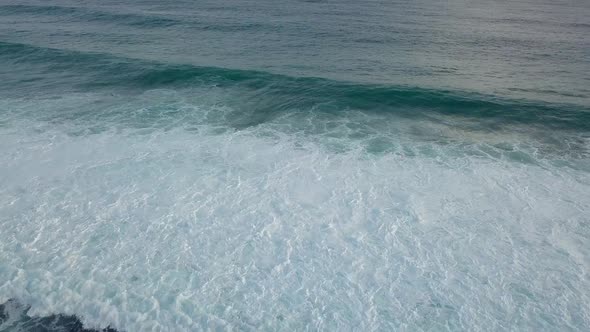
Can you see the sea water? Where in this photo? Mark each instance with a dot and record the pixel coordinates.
(295, 165)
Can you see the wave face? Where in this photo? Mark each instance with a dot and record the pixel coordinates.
(275, 94)
(143, 193)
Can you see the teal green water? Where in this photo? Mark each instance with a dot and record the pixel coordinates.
(294, 165)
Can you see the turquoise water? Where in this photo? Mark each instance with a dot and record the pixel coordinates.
(295, 165)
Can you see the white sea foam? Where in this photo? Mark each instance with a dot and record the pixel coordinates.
(183, 224)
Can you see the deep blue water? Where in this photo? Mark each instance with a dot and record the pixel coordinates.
(295, 165)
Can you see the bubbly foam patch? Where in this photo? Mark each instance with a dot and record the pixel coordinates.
(158, 214)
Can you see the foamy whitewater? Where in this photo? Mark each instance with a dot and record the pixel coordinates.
(150, 196)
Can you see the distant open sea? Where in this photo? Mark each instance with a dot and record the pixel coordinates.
(289, 165)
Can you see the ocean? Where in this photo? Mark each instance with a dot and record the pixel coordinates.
(295, 165)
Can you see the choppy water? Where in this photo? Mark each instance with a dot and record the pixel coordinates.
(295, 165)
